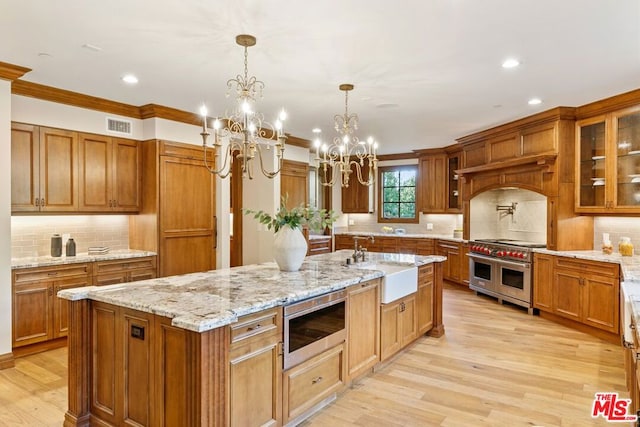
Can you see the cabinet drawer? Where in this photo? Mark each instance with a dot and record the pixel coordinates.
(114, 266)
(585, 266)
(425, 270)
(312, 381)
(257, 324)
(49, 273)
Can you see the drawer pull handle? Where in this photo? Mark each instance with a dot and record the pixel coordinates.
(253, 328)
(52, 273)
(316, 380)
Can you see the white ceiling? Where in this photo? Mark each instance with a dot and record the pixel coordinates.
(425, 71)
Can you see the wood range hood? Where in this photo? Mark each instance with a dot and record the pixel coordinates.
(537, 154)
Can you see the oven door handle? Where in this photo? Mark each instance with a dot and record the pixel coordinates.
(523, 265)
(483, 258)
(499, 261)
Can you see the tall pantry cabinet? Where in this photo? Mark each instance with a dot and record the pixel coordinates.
(177, 219)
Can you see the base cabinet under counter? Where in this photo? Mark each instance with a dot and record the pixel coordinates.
(583, 291)
(38, 315)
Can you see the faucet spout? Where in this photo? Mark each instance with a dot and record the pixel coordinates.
(358, 251)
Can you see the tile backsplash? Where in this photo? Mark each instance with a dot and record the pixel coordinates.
(442, 224)
(616, 227)
(31, 235)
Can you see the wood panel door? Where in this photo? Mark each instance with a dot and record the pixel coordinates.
(363, 327)
(357, 198)
(61, 306)
(58, 170)
(600, 306)
(126, 183)
(25, 168)
(543, 282)
(294, 183)
(32, 313)
(433, 183)
(187, 217)
(408, 320)
(95, 173)
(568, 293)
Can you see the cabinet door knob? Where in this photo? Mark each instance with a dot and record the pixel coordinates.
(37, 201)
(42, 202)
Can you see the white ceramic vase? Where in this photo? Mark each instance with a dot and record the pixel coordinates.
(289, 248)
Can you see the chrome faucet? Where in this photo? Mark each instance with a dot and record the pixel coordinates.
(358, 251)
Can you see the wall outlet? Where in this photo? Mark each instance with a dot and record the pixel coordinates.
(429, 226)
(352, 222)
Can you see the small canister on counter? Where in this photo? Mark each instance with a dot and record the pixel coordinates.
(56, 245)
(70, 249)
(625, 247)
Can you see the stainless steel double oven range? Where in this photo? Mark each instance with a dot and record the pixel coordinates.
(503, 269)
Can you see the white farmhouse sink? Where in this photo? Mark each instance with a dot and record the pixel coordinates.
(398, 280)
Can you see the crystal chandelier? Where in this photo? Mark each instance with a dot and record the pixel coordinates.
(245, 130)
(346, 153)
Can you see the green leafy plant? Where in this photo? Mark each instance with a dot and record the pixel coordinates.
(315, 219)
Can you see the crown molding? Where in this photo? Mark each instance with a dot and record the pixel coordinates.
(12, 72)
(62, 96)
(149, 111)
(397, 156)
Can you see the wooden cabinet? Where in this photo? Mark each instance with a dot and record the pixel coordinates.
(398, 325)
(109, 174)
(319, 245)
(177, 218)
(588, 292)
(453, 267)
(584, 291)
(363, 335)
(38, 314)
(433, 183)
(543, 281)
(43, 169)
(255, 370)
(608, 163)
(357, 198)
(294, 183)
(403, 245)
(123, 271)
(311, 382)
(424, 299)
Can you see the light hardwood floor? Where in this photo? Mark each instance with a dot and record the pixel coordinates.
(495, 366)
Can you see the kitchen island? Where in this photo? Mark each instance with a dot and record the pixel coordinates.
(167, 351)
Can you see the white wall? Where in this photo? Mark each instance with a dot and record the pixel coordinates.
(38, 112)
(5, 217)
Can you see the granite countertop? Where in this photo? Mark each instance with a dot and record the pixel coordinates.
(204, 301)
(44, 261)
(414, 235)
(629, 265)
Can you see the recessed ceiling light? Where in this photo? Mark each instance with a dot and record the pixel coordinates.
(130, 79)
(510, 63)
(44, 55)
(316, 130)
(535, 101)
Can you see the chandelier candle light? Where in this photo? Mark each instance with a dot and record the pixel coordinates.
(346, 150)
(245, 129)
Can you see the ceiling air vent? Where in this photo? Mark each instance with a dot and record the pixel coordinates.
(119, 126)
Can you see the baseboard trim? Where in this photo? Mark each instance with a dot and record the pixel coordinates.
(39, 347)
(7, 361)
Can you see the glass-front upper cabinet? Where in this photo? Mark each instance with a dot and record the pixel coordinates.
(453, 189)
(627, 139)
(608, 163)
(591, 178)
